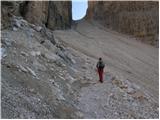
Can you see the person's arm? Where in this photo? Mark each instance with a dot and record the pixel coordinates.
(97, 65)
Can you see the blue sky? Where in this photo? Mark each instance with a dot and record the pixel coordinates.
(79, 8)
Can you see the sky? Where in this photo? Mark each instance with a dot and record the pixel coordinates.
(79, 8)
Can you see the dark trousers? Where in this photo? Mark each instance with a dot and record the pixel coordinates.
(100, 72)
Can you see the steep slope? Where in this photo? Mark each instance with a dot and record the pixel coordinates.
(38, 74)
(48, 74)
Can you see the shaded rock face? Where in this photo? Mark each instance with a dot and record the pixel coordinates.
(54, 14)
(60, 15)
(8, 8)
(136, 18)
(35, 12)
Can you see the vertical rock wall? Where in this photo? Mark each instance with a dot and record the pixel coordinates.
(138, 18)
(35, 12)
(54, 14)
(60, 15)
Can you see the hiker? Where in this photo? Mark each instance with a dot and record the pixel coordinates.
(100, 66)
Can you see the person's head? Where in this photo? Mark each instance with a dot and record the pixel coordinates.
(100, 59)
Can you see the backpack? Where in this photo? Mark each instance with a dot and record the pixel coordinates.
(100, 65)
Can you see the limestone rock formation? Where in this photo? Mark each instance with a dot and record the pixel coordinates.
(54, 14)
(35, 12)
(8, 8)
(60, 15)
(136, 18)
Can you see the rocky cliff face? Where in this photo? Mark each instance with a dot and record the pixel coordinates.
(54, 14)
(35, 12)
(60, 15)
(135, 18)
(139, 19)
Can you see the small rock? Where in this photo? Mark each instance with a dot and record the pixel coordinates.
(71, 79)
(30, 32)
(135, 86)
(117, 82)
(42, 42)
(35, 53)
(130, 90)
(51, 57)
(66, 56)
(3, 53)
(23, 69)
(39, 66)
(32, 72)
(123, 86)
(38, 28)
(84, 67)
(79, 114)
(17, 23)
(7, 42)
(15, 29)
(111, 95)
(60, 97)
(31, 90)
(138, 95)
(56, 85)
(62, 77)
(52, 81)
(24, 53)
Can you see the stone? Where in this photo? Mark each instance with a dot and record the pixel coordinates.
(79, 114)
(70, 78)
(24, 54)
(17, 23)
(123, 86)
(32, 72)
(111, 95)
(7, 41)
(15, 29)
(48, 34)
(52, 81)
(38, 28)
(30, 32)
(130, 90)
(56, 85)
(117, 82)
(35, 53)
(39, 66)
(138, 95)
(49, 45)
(60, 96)
(23, 69)
(51, 57)
(135, 86)
(66, 56)
(32, 90)
(3, 53)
